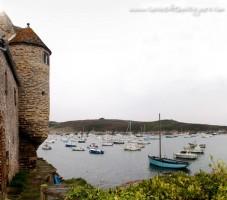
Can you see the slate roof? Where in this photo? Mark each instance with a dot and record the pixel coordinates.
(27, 36)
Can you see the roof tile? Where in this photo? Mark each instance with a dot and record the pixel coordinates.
(28, 36)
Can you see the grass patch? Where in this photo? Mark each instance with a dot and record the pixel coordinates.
(75, 182)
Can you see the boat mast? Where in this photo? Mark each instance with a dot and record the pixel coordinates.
(130, 126)
(160, 142)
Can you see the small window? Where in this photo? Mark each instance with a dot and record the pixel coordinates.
(46, 58)
(43, 93)
(6, 83)
(15, 97)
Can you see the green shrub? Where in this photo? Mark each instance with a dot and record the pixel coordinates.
(177, 186)
(19, 180)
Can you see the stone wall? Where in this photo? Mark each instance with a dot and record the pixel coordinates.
(33, 74)
(9, 139)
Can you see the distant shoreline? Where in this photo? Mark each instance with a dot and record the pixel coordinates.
(114, 126)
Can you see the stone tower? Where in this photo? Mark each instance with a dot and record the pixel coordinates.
(6, 26)
(31, 56)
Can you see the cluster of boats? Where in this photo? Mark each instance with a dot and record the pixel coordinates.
(189, 152)
(135, 142)
(47, 144)
(129, 142)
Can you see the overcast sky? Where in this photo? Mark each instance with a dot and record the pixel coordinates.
(131, 59)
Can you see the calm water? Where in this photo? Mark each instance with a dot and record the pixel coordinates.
(117, 166)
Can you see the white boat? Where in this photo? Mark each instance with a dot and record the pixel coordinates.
(92, 145)
(192, 145)
(46, 147)
(143, 142)
(107, 144)
(141, 146)
(96, 151)
(82, 140)
(139, 135)
(70, 144)
(118, 142)
(78, 149)
(194, 148)
(202, 145)
(132, 147)
(51, 141)
(185, 154)
(197, 150)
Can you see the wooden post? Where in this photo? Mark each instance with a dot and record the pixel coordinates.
(43, 188)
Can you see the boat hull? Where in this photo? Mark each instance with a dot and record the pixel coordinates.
(70, 145)
(167, 163)
(46, 148)
(192, 156)
(107, 144)
(96, 151)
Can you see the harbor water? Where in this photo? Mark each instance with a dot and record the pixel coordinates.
(117, 166)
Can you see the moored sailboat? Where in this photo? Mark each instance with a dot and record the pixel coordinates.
(165, 162)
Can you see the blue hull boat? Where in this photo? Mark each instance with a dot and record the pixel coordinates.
(167, 163)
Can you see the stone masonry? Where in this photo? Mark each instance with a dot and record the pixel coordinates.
(24, 98)
(33, 100)
(9, 138)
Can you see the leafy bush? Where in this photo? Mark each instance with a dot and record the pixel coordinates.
(177, 186)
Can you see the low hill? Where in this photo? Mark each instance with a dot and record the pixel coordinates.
(122, 125)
